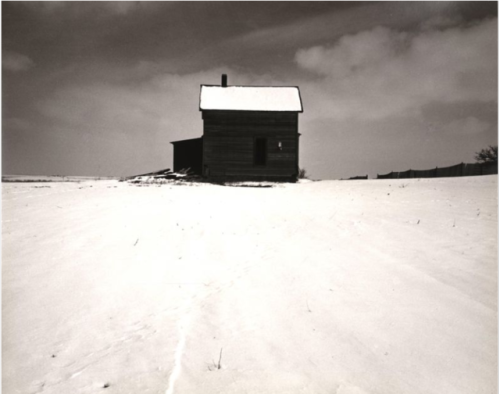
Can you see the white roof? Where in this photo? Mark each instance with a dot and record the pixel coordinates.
(250, 98)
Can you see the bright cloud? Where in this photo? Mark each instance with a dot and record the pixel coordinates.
(12, 61)
(381, 73)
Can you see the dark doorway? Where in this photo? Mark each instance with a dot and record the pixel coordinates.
(188, 154)
(260, 151)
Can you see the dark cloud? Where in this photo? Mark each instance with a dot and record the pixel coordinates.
(12, 61)
(189, 35)
(82, 9)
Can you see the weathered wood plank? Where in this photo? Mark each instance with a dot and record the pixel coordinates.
(229, 143)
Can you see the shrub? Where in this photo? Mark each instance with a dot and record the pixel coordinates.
(487, 155)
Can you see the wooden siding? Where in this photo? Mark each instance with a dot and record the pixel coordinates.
(229, 139)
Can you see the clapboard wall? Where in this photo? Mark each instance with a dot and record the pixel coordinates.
(229, 139)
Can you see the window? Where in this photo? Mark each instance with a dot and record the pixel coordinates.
(260, 152)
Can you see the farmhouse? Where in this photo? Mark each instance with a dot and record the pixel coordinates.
(249, 133)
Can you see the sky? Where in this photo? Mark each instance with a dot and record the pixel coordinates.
(102, 88)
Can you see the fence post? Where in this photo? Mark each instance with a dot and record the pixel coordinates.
(462, 169)
(436, 172)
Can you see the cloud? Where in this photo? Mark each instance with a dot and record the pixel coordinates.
(353, 53)
(132, 123)
(442, 22)
(161, 102)
(332, 25)
(328, 26)
(381, 72)
(12, 61)
(150, 102)
(15, 124)
(466, 126)
(79, 9)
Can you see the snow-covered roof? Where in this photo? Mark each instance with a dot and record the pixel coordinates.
(250, 98)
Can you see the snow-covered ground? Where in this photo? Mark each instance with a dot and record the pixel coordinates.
(379, 286)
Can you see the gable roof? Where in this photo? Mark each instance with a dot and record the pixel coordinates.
(250, 98)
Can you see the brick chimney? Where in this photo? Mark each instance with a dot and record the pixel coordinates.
(224, 81)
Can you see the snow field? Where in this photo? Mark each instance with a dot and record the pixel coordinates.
(383, 286)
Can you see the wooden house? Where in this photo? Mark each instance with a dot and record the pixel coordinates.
(250, 133)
